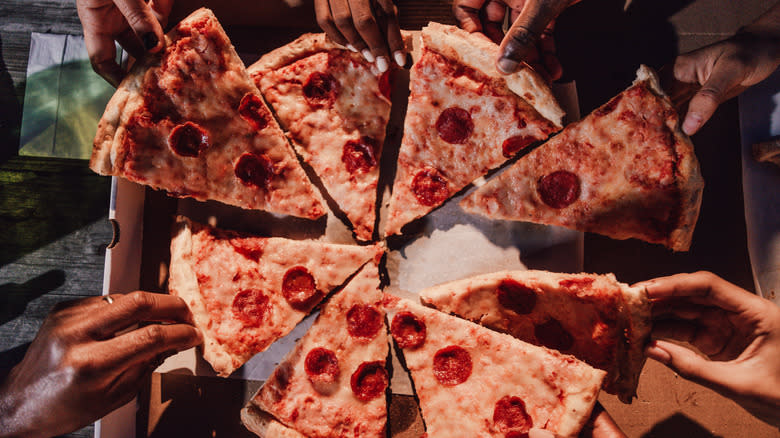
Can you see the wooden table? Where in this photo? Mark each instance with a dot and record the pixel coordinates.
(53, 212)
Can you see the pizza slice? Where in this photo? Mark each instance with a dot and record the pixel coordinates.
(245, 292)
(336, 106)
(625, 171)
(463, 119)
(472, 381)
(191, 121)
(593, 317)
(333, 382)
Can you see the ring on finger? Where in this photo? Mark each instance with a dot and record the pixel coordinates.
(108, 299)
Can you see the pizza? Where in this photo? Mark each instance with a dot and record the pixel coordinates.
(625, 171)
(334, 382)
(463, 119)
(336, 106)
(593, 317)
(245, 292)
(476, 382)
(191, 121)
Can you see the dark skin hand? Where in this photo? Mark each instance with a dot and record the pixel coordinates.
(78, 368)
(737, 332)
(135, 24)
(528, 40)
(366, 26)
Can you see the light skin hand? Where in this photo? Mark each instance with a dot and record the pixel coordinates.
(728, 67)
(77, 369)
(529, 39)
(134, 24)
(737, 332)
(360, 26)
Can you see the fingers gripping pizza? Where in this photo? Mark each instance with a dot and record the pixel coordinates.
(334, 382)
(463, 119)
(191, 121)
(336, 106)
(474, 382)
(245, 292)
(625, 171)
(592, 317)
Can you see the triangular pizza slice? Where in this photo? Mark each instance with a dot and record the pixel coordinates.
(190, 121)
(473, 381)
(593, 317)
(463, 119)
(333, 383)
(625, 171)
(245, 292)
(336, 106)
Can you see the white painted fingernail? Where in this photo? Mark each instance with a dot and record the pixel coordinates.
(368, 55)
(352, 48)
(382, 64)
(400, 58)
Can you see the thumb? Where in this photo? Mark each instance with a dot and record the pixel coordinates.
(689, 365)
(142, 20)
(520, 39)
(716, 89)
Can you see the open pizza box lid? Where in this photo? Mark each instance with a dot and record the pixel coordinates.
(446, 245)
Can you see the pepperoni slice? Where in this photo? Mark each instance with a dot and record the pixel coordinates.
(299, 288)
(188, 139)
(559, 189)
(452, 365)
(386, 83)
(510, 415)
(513, 145)
(516, 296)
(254, 170)
(430, 187)
(250, 306)
(254, 111)
(454, 125)
(551, 334)
(359, 156)
(321, 366)
(369, 381)
(363, 321)
(320, 89)
(408, 330)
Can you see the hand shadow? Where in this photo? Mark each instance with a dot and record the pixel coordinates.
(14, 297)
(678, 425)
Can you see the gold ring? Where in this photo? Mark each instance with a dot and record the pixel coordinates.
(108, 299)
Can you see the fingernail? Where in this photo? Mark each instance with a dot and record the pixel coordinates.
(368, 55)
(653, 351)
(150, 41)
(352, 48)
(381, 64)
(400, 58)
(691, 124)
(507, 65)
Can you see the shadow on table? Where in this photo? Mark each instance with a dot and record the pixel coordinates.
(14, 297)
(10, 112)
(678, 425)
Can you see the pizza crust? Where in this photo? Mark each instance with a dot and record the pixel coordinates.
(264, 425)
(478, 52)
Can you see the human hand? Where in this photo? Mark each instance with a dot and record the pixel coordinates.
(737, 331)
(366, 26)
(725, 69)
(78, 368)
(135, 24)
(529, 39)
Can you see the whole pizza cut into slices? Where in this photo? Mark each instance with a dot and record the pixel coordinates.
(245, 292)
(336, 106)
(463, 119)
(191, 121)
(333, 383)
(593, 317)
(625, 171)
(474, 382)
